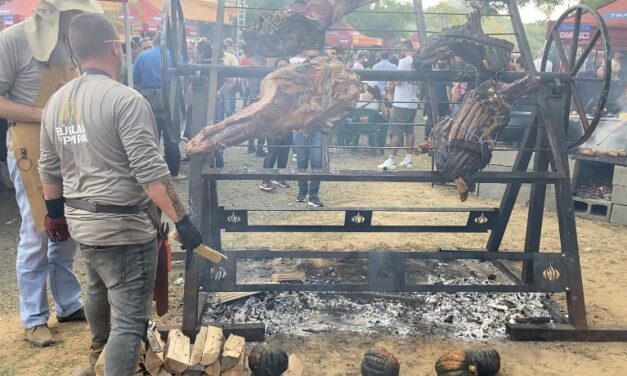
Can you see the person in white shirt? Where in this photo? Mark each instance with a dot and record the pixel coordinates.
(538, 63)
(403, 113)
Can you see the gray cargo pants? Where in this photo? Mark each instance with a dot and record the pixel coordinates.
(120, 281)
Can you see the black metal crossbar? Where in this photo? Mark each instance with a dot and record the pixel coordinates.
(210, 173)
(358, 220)
(387, 271)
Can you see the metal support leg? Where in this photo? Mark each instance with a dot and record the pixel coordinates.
(511, 192)
(536, 208)
(556, 137)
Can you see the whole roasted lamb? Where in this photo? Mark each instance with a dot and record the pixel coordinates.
(468, 42)
(463, 142)
(300, 26)
(304, 96)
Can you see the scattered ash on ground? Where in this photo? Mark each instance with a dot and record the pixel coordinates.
(466, 316)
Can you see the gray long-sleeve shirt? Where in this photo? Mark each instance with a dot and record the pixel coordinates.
(99, 139)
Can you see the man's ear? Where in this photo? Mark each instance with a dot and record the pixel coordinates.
(117, 51)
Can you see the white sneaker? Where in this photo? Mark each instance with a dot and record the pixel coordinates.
(389, 164)
(406, 162)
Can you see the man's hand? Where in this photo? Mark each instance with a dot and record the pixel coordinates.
(55, 223)
(19, 112)
(190, 237)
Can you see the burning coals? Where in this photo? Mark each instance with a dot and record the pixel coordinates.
(594, 190)
(466, 316)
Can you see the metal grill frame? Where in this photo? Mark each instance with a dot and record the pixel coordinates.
(545, 136)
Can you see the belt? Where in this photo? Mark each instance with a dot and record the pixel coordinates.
(97, 207)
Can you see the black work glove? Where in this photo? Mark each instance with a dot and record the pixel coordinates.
(55, 223)
(190, 237)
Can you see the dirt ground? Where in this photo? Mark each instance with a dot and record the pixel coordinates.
(603, 249)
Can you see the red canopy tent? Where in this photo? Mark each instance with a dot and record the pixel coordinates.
(143, 15)
(342, 34)
(17, 10)
(615, 16)
(338, 36)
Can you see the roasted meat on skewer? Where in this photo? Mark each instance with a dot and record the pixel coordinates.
(300, 26)
(313, 94)
(463, 142)
(468, 42)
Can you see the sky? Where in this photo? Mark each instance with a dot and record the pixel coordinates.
(528, 13)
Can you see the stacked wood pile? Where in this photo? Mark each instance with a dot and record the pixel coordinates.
(209, 355)
(464, 141)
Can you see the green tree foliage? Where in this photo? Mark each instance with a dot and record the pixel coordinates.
(536, 35)
(400, 16)
(594, 3)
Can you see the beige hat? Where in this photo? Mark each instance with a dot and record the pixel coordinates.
(42, 28)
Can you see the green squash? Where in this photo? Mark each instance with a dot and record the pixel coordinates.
(379, 362)
(266, 360)
(476, 361)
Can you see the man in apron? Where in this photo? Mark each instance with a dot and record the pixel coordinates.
(100, 156)
(34, 63)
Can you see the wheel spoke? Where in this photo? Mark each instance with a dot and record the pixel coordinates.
(575, 42)
(560, 50)
(579, 107)
(586, 52)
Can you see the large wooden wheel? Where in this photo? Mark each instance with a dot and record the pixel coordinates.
(583, 49)
(173, 53)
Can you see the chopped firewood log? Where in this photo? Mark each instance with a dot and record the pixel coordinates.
(99, 366)
(234, 349)
(213, 369)
(153, 361)
(161, 371)
(177, 352)
(463, 142)
(295, 97)
(202, 250)
(467, 42)
(195, 370)
(199, 346)
(239, 369)
(212, 346)
(288, 276)
(300, 26)
(295, 367)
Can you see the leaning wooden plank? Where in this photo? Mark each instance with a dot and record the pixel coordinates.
(202, 250)
(212, 346)
(225, 297)
(213, 369)
(99, 366)
(234, 347)
(294, 367)
(199, 346)
(177, 352)
(288, 276)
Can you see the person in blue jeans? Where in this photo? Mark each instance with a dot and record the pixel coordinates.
(308, 148)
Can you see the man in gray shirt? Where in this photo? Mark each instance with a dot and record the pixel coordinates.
(34, 62)
(99, 153)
